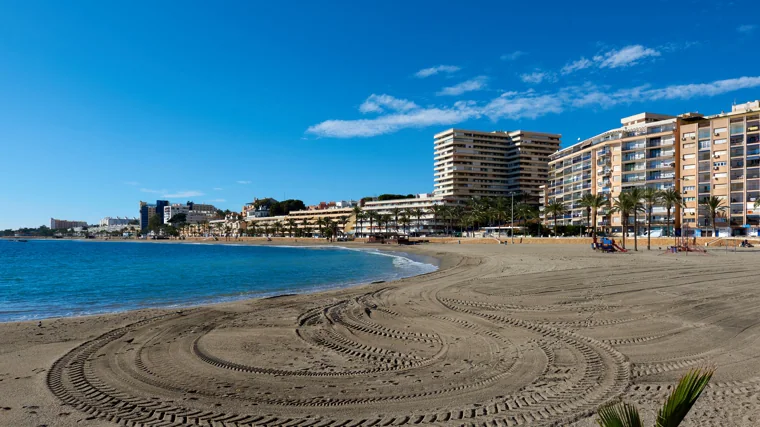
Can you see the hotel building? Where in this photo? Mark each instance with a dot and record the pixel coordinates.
(470, 164)
(700, 156)
(194, 212)
(147, 210)
(60, 224)
(425, 224)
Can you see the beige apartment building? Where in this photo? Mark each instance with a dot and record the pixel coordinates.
(470, 164)
(307, 219)
(700, 156)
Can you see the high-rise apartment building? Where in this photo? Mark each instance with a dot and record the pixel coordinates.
(147, 210)
(699, 156)
(470, 164)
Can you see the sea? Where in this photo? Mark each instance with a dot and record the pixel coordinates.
(62, 278)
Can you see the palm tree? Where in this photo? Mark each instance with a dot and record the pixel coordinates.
(713, 204)
(385, 219)
(437, 211)
(675, 409)
(592, 203)
(292, 225)
(417, 213)
(525, 212)
(624, 205)
(360, 220)
(457, 213)
(637, 194)
(555, 208)
(371, 216)
(404, 220)
(671, 199)
(650, 197)
(358, 214)
(395, 212)
(757, 203)
(445, 211)
(343, 221)
(321, 222)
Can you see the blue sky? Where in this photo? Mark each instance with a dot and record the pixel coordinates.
(105, 104)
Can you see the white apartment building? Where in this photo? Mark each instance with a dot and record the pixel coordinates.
(425, 224)
(195, 212)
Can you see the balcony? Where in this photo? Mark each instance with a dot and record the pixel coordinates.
(753, 173)
(737, 140)
(630, 158)
(656, 176)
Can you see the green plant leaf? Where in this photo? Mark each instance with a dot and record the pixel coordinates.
(683, 397)
(619, 415)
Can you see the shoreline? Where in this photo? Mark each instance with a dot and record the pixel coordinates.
(419, 257)
(546, 333)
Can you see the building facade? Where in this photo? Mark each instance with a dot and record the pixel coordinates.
(426, 223)
(699, 156)
(194, 212)
(470, 164)
(147, 210)
(60, 224)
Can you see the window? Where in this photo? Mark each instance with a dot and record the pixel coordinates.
(689, 135)
(720, 175)
(686, 167)
(737, 128)
(688, 178)
(720, 141)
(719, 153)
(704, 133)
(689, 199)
(719, 187)
(689, 156)
(719, 164)
(689, 188)
(616, 178)
(717, 131)
(704, 144)
(616, 168)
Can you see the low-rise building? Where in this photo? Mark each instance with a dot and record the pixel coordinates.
(60, 224)
(415, 215)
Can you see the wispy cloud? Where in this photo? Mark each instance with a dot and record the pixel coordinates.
(183, 194)
(445, 69)
(538, 76)
(148, 190)
(477, 83)
(244, 182)
(218, 189)
(513, 56)
(217, 200)
(132, 183)
(746, 29)
(616, 58)
(378, 104)
(527, 104)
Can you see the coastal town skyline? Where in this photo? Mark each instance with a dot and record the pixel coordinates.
(113, 107)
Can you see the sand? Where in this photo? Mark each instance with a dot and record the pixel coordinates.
(500, 335)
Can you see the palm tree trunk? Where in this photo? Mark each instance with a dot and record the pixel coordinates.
(555, 225)
(649, 230)
(593, 227)
(667, 222)
(635, 231)
(625, 228)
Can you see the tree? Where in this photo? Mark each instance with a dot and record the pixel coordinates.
(417, 213)
(404, 220)
(526, 212)
(292, 226)
(650, 197)
(675, 409)
(155, 223)
(671, 199)
(178, 219)
(636, 194)
(357, 211)
(555, 209)
(321, 222)
(624, 205)
(371, 216)
(396, 212)
(343, 221)
(757, 203)
(592, 203)
(713, 205)
(437, 211)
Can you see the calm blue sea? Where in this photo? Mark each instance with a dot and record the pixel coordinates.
(40, 279)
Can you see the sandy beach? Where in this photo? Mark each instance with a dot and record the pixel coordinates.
(500, 335)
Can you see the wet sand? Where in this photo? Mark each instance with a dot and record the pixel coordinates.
(500, 335)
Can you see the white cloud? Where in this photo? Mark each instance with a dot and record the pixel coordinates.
(183, 194)
(513, 56)
(474, 84)
(746, 29)
(625, 57)
(217, 200)
(378, 103)
(580, 64)
(427, 72)
(218, 189)
(244, 182)
(147, 190)
(616, 58)
(520, 105)
(538, 76)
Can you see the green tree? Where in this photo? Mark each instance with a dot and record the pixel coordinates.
(155, 223)
(713, 205)
(673, 411)
(437, 211)
(636, 194)
(650, 197)
(395, 212)
(292, 226)
(417, 213)
(624, 205)
(371, 217)
(358, 217)
(671, 199)
(592, 203)
(555, 209)
(178, 219)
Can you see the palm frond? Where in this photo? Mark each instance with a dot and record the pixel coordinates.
(619, 415)
(683, 397)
